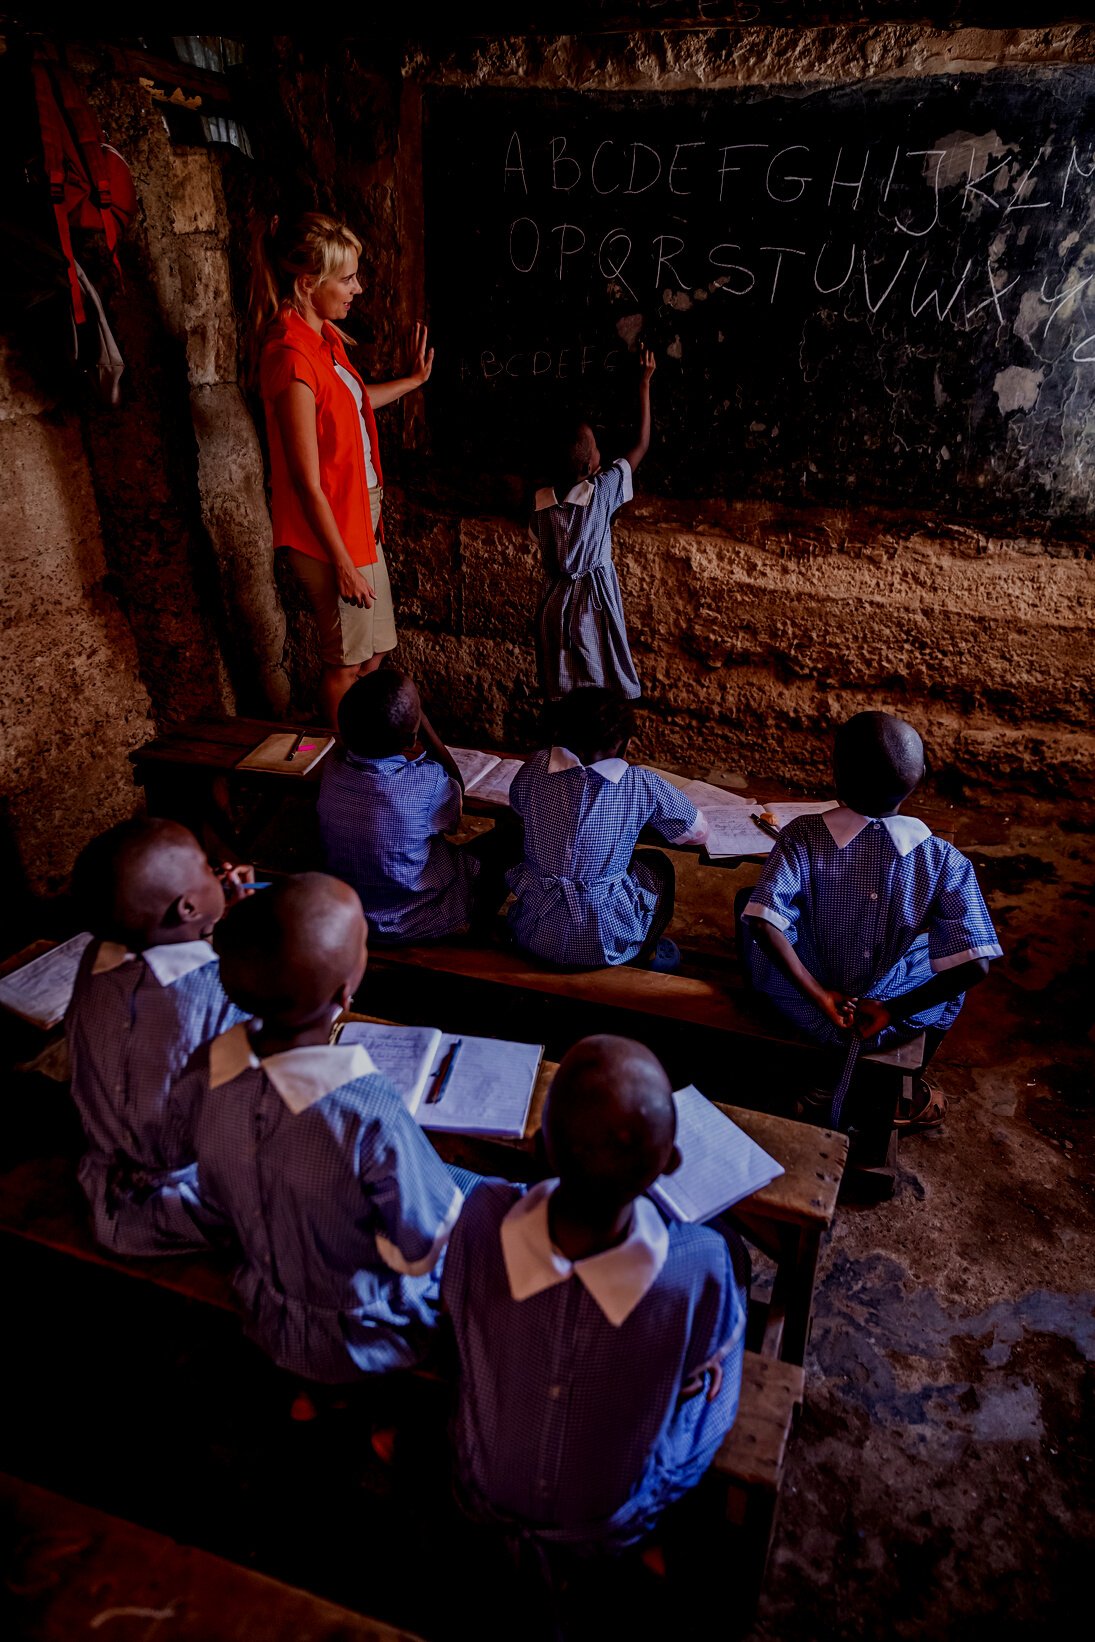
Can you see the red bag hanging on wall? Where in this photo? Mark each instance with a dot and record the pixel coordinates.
(89, 182)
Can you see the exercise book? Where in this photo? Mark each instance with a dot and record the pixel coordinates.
(470, 1086)
(780, 813)
(487, 776)
(705, 796)
(287, 754)
(720, 1163)
(736, 832)
(40, 991)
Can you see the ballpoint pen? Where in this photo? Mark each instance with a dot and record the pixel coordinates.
(444, 1073)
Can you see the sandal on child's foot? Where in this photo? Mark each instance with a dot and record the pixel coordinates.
(929, 1108)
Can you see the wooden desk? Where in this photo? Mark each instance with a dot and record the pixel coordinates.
(190, 774)
(785, 1219)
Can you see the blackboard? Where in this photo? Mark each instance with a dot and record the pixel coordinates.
(882, 292)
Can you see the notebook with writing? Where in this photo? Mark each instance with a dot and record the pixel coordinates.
(403, 1054)
(720, 1163)
(39, 992)
(472, 1086)
(488, 776)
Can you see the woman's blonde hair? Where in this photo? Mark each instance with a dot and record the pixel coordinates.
(315, 246)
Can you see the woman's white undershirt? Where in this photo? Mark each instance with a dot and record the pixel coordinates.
(355, 388)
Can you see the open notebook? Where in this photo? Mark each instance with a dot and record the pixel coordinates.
(720, 1164)
(40, 991)
(486, 775)
(741, 830)
(487, 1092)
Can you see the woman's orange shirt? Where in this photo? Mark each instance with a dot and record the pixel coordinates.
(293, 352)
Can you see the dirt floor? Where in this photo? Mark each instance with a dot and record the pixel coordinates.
(940, 1481)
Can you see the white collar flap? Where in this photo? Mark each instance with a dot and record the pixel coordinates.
(303, 1076)
(612, 769)
(167, 963)
(905, 831)
(171, 963)
(616, 1280)
(579, 495)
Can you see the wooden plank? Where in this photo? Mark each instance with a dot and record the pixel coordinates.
(41, 1201)
(813, 1159)
(687, 998)
(72, 1570)
(753, 1450)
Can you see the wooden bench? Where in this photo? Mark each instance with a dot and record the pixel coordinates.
(41, 1203)
(72, 1570)
(637, 996)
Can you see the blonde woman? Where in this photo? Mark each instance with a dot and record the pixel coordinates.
(325, 471)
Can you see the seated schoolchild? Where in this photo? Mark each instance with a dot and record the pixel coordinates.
(600, 1349)
(147, 993)
(584, 897)
(387, 797)
(863, 921)
(340, 1204)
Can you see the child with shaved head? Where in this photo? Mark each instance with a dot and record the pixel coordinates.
(600, 1348)
(387, 797)
(863, 921)
(147, 993)
(339, 1202)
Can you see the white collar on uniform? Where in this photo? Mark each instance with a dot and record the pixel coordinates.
(905, 831)
(613, 769)
(616, 1280)
(300, 1076)
(579, 495)
(167, 963)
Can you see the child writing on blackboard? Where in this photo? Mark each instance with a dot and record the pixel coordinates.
(581, 636)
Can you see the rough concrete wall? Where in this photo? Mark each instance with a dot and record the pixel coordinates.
(72, 705)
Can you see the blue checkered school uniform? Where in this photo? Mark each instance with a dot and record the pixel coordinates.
(570, 1422)
(381, 821)
(581, 635)
(873, 908)
(339, 1203)
(132, 1025)
(579, 901)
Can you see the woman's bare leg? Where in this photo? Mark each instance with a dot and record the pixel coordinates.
(333, 685)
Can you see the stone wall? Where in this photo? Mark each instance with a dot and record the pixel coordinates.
(72, 703)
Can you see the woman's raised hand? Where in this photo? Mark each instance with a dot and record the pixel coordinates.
(352, 585)
(423, 359)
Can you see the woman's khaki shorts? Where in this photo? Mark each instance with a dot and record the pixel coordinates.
(349, 635)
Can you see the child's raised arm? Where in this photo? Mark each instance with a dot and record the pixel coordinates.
(383, 393)
(642, 444)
